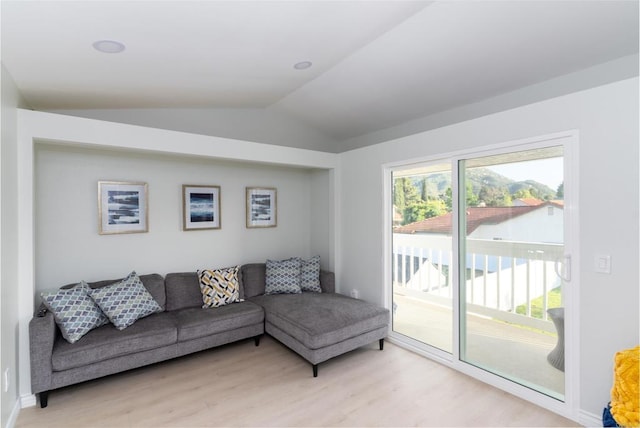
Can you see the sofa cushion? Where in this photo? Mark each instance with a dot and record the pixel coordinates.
(183, 290)
(107, 342)
(219, 287)
(74, 311)
(283, 276)
(310, 275)
(125, 302)
(321, 319)
(194, 323)
(252, 279)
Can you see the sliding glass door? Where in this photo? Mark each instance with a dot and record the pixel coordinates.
(422, 254)
(477, 262)
(511, 237)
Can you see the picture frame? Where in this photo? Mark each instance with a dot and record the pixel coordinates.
(200, 207)
(122, 207)
(262, 207)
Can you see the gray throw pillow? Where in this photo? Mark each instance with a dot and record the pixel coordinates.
(74, 311)
(125, 302)
(283, 276)
(310, 275)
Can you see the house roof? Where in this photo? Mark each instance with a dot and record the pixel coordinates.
(476, 217)
(530, 201)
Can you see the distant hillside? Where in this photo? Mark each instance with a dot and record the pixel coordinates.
(437, 184)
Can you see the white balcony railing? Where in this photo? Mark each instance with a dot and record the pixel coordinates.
(505, 274)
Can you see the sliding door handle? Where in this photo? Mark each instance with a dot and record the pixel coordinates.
(563, 268)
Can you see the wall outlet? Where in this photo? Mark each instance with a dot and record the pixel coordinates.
(603, 263)
(5, 380)
(355, 294)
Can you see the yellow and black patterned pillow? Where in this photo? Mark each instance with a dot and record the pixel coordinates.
(219, 287)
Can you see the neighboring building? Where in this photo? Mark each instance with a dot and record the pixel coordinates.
(527, 202)
(530, 223)
(423, 249)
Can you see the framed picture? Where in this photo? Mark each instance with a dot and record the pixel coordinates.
(262, 207)
(122, 207)
(200, 207)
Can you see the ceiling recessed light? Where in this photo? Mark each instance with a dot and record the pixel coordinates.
(108, 46)
(302, 65)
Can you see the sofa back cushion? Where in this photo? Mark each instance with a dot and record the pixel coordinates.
(253, 280)
(154, 283)
(183, 290)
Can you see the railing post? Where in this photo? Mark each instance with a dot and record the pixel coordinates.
(498, 290)
(485, 271)
(473, 275)
(528, 295)
(545, 297)
(513, 284)
(404, 267)
(450, 275)
(440, 269)
(421, 269)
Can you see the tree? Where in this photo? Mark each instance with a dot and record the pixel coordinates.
(523, 194)
(422, 210)
(472, 198)
(405, 194)
(495, 197)
(398, 195)
(560, 191)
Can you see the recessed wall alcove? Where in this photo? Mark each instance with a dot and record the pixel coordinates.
(68, 247)
(61, 158)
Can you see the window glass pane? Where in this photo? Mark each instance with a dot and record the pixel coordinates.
(421, 262)
(511, 235)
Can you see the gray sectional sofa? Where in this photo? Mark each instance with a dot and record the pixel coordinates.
(318, 326)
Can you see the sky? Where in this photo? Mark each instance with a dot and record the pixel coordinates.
(545, 171)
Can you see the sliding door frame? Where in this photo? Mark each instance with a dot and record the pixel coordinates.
(569, 407)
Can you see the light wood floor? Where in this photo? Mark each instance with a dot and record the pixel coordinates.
(244, 385)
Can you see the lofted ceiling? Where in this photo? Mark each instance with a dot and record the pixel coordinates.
(375, 64)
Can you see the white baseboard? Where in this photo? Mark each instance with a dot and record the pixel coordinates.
(589, 419)
(13, 416)
(28, 400)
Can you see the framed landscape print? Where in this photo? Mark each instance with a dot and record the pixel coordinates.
(200, 207)
(122, 207)
(262, 207)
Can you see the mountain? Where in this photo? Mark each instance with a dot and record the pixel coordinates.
(438, 183)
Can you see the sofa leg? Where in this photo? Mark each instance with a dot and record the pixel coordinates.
(381, 344)
(256, 340)
(315, 370)
(44, 399)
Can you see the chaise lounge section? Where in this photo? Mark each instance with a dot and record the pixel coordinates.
(317, 326)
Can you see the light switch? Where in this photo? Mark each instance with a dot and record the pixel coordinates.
(603, 264)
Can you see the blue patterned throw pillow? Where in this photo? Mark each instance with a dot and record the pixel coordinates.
(310, 275)
(74, 311)
(125, 302)
(219, 287)
(283, 276)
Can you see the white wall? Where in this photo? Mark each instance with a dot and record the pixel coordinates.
(601, 74)
(9, 248)
(607, 120)
(69, 248)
